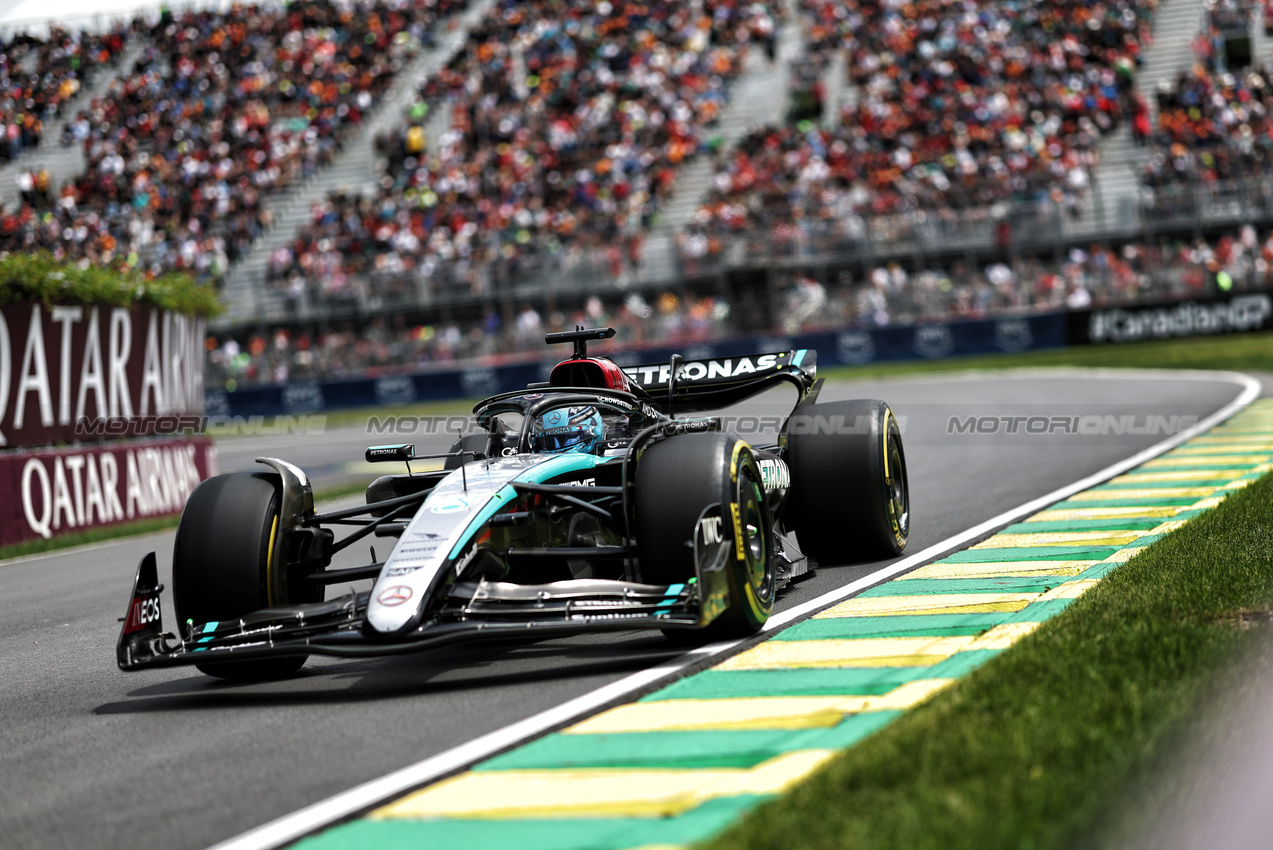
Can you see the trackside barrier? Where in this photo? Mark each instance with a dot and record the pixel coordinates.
(1231, 313)
(848, 347)
(49, 492)
(119, 384)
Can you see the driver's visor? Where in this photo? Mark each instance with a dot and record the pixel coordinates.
(558, 442)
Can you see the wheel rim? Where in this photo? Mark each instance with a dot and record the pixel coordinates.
(271, 595)
(898, 494)
(755, 541)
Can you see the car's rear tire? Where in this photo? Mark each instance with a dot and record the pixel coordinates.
(849, 497)
(223, 561)
(676, 480)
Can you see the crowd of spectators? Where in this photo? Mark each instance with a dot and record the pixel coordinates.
(1212, 126)
(560, 128)
(889, 294)
(221, 109)
(955, 105)
(391, 344)
(557, 132)
(40, 75)
(1094, 276)
(366, 252)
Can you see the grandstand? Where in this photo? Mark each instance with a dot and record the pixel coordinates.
(438, 179)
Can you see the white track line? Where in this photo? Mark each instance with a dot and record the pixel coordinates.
(313, 817)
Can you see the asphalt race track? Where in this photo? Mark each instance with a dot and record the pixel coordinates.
(172, 759)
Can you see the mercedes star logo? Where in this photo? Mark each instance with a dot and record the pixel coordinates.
(395, 595)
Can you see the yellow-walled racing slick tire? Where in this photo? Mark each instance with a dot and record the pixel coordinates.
(223, 562)
(849, 498)
(676, 480)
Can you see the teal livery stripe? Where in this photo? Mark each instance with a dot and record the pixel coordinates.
(555, 467)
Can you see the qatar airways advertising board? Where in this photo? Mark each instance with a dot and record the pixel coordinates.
(66, 364)
(44, 493)
(70, 374)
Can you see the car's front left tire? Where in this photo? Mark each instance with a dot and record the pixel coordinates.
(224, 564)
(676, 480)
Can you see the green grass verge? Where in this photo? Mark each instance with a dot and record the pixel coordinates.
(142, 526)
(1040, 747)
(1239, 352)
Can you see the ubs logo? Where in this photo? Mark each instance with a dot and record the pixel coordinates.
(395, 389)
(1013, 334)
(303, 398)
(479, 382)
(934, 341)
(856, 347)
(216, 403)
(774, 343)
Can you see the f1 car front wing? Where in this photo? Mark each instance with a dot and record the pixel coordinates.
(471, 610)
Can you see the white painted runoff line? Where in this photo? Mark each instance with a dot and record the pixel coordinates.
(304, 821)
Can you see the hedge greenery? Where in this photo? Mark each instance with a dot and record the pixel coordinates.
(39, 277)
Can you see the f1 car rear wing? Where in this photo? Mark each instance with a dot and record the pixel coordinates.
(719, 382)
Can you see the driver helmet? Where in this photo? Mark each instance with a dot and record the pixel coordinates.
(569, 429)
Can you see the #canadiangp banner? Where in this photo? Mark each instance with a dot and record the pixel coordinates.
(1218, 314)
(48, 492)
(65, 364)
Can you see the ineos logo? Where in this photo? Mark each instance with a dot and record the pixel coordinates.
(395, 595)
(145, 611)
(148, 611)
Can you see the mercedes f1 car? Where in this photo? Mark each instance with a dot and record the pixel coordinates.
(591, 501)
